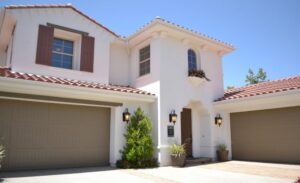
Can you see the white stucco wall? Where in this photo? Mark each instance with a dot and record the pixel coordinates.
(169, 81)
(25, 42)
(119, 64)
(178, 93)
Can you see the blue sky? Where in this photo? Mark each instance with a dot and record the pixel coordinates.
(266, 33)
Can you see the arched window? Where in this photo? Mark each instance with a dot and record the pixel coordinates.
(192, 60)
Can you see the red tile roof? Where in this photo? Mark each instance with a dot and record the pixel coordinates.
(174, 25)
(60, 6)
(267, 87)
(7, 73)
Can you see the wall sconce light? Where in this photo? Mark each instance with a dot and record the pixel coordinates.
(218, 120)
(126, 116)
(172, 117)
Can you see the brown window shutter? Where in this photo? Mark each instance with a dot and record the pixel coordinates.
(87, 54)
(44, 45)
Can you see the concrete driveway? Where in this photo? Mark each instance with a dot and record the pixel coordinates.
(233, 171)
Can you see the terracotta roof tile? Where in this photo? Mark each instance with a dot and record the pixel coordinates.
(267, 87)
(91, 19)
(61, 6)
(159, 19)
(7, 73)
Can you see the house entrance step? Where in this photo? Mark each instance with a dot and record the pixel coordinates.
(195, 161)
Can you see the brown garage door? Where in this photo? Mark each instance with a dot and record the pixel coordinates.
(43, 135)
(266, 135)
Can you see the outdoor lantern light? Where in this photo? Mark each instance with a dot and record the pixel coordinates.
(126, 116)
(218, 120)
(172, 117)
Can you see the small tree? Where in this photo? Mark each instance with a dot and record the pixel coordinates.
(252, 78)
(229, 87)
(138, 151)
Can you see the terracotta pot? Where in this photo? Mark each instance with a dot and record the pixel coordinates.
(222, 155)
(178, 160)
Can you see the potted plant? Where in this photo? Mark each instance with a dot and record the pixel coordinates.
(178, 155)
(198, 73)
(222, 153)
(197, 77)
(2, 151)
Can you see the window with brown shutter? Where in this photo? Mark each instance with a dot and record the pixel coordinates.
(87, 54)
(53, 54)
(44, 45)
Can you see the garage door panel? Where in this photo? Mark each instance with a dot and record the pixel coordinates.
(268, 135)
(43, 136)
(29, 111)
(24, 135)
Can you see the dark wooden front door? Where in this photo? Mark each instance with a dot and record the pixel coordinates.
(186, 131)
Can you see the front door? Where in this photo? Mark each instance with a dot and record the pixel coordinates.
(186, 131)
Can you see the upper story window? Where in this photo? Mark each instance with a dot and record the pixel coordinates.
(192, 60)
(64, 47)
(62, 53)
(144, 60)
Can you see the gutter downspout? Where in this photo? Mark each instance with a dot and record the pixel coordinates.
(12, 40)
(3, 20)
(12, 47)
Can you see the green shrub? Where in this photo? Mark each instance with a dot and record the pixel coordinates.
(222, 147)
(177, 150)
(138, 151)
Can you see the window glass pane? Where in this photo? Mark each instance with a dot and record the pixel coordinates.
(145, 53)
(62, 53)
(68, 47)
(67, 62)
(144, 58)
(142, 68)
(56, 57)
(145, 68)
(57, 41)
(56, 60)
(68, 50)
(192, 60)
(68, 43)
(57, 45)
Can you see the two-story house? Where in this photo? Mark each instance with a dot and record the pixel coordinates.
(66, 80)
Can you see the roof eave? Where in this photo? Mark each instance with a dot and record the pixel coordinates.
(151, 24)
(69, 91)
(62, 6)
(236, 100)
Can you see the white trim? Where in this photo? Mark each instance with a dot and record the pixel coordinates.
(163, 146)
(66, 91)
(183, 30)
(53, 102)
(266, 101)
(283, 93)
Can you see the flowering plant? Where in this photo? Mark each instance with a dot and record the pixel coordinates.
(199, 74)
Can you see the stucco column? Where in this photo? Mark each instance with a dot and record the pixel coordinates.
(117, 127)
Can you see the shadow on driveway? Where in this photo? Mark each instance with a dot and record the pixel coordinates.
(32, 173)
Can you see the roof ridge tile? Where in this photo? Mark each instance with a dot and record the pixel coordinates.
(268, 87)
(6, 72)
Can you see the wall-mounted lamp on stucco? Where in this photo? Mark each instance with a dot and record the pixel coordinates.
(218, 120)
(172, 117)
(126, 116)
